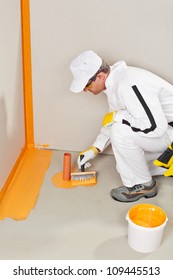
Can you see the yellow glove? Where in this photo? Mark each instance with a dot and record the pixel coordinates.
(108, 119)
(169, 172)
(166, 161)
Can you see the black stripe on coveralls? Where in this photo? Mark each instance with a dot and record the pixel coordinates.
(147, 110)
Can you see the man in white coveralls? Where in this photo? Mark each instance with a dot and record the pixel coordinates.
(139, 124)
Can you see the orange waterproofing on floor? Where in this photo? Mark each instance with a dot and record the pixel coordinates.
(22, 187)
(23, 190)
(70, 177)
(59, 182)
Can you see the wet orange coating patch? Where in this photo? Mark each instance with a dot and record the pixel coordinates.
(21, 195)
(58, 181)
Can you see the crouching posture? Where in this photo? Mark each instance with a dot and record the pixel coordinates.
(139, 125)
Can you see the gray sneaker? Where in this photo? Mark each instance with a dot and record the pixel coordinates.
(125, 194)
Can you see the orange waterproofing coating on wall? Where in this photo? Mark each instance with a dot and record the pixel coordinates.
(22, 186)
(27, 72)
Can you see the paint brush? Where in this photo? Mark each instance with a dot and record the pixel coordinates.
(83, 178)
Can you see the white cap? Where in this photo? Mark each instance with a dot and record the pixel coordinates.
(83, 67)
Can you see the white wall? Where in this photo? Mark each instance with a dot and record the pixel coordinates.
(137, 31)
(11, 91)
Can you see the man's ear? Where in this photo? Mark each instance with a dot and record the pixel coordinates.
(102, 76)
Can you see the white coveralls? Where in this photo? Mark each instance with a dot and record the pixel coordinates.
(143, 126)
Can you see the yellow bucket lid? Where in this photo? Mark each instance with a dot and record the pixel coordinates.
(147, 215)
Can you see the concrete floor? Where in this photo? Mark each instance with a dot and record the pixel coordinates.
(83, 222)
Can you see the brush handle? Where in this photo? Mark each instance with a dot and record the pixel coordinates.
(82, 166)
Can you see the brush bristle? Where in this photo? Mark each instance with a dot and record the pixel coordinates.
(83, 178)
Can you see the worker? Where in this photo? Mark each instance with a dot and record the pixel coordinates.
(139, 124)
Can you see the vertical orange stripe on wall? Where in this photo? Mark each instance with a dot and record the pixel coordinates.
(27, 72)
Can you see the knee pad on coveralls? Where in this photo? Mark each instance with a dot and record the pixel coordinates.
(166, 160)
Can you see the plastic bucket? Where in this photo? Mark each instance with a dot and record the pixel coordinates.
(146, 223)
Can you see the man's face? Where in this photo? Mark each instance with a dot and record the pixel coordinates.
(98, 85)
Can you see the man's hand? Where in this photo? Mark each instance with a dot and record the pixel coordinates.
(108, 119)
(88, 154)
